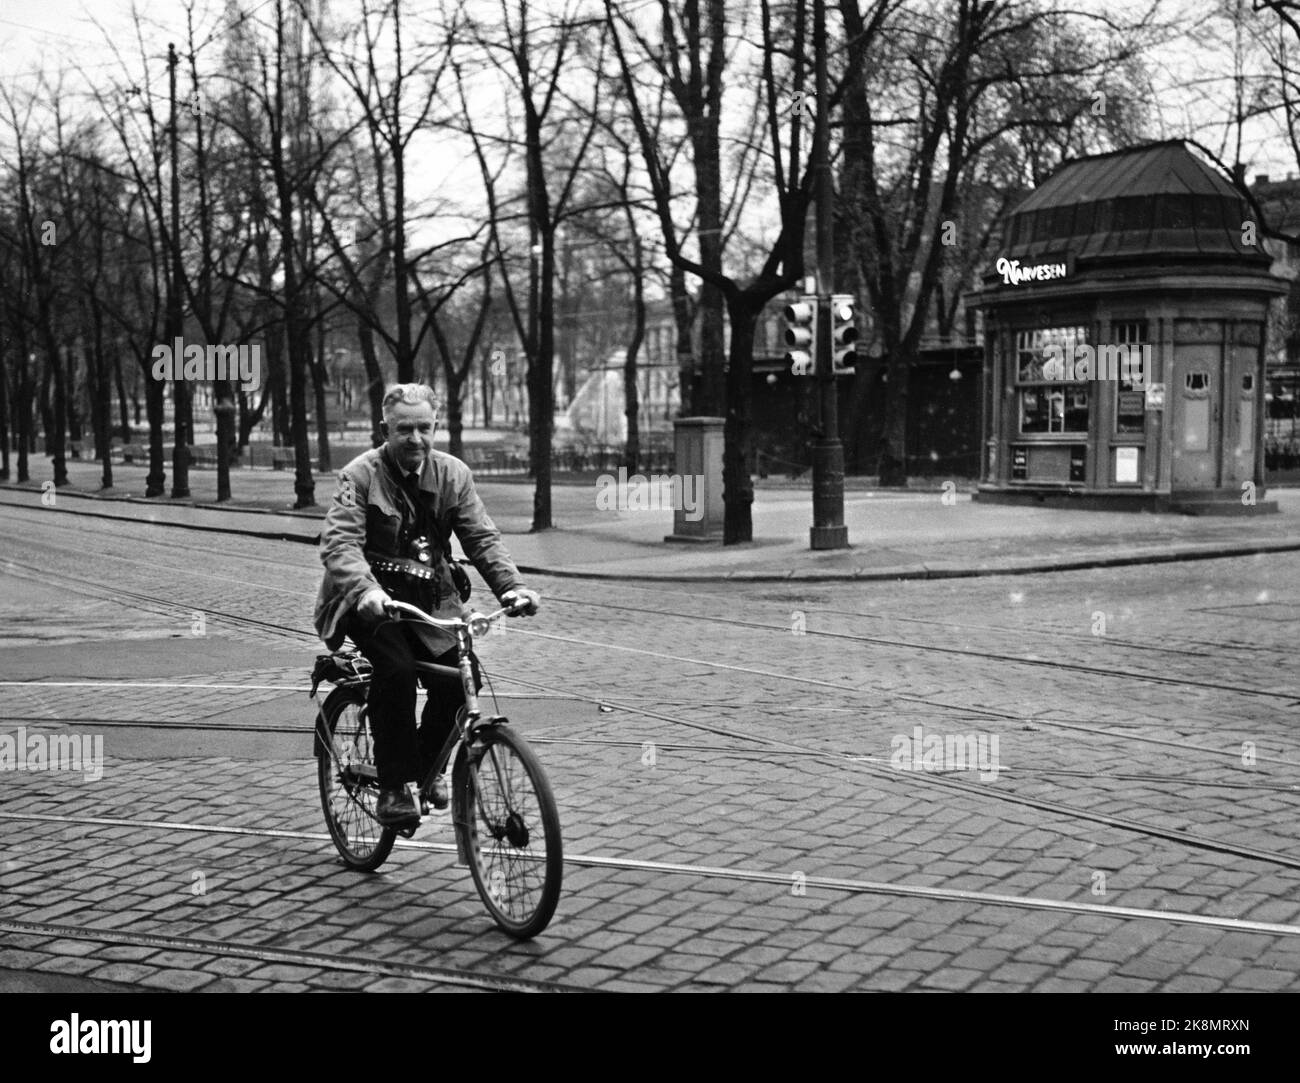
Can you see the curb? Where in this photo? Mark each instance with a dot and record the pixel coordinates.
(153, 502)
(268, 535)
(939, 570)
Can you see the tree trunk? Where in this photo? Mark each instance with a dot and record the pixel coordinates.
(688, 376)
(102, 409)
(738, 437)
(374, 381)
(631, 402)
(226, 447)
(121, 395)
(59, 411)
(893, 439)
(23, 408)
(156, 482)
(541, 388)
(47, 412)
(4, 416)
(76, 419)
(320, 380)
(455, 413)
(485, 387)
(712, 303)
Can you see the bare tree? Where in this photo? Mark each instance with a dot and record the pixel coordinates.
(692, 60)
(530, 56)
(929, 98)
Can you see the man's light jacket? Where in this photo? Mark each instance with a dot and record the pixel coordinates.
(367, 515)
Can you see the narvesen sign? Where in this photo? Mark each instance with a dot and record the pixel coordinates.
(1013, 274)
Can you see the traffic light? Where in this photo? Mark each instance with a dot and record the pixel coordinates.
(844, 333)
(801, 336)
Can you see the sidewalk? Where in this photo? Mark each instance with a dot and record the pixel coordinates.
(893, 535)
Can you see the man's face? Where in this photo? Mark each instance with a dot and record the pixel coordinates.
(410, 431)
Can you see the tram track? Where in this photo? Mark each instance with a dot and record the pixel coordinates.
(440, 975)
(1180, 836)
(942, 781)
(1126, 646)
(660, 746)
(281, 630)
(714, 872)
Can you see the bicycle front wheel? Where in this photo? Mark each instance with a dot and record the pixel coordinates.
(349, 784)
(512, 832)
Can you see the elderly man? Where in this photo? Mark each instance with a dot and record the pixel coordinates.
(388, 527)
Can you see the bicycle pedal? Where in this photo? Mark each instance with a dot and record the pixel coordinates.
(408, 830)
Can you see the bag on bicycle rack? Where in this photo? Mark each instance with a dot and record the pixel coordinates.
(340, 667)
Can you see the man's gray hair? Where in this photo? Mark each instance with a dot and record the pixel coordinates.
(410, 394)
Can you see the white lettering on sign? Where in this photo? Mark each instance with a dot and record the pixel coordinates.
(1013, 274)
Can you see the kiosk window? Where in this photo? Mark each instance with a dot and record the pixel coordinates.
(1050, 405)
(1130, 396)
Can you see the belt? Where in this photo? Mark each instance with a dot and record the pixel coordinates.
(382, 563)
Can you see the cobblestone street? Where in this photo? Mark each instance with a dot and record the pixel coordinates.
(748, 796)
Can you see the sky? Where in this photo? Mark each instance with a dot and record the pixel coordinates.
(1191, 72)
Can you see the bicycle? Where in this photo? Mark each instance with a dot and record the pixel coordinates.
(506, 823)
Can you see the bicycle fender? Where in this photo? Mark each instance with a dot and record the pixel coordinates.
(459, 811)
(318, 741)
(460, 788)
(319, 747)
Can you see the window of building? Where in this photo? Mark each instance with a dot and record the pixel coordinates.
(1130, 395)
(1050, 405)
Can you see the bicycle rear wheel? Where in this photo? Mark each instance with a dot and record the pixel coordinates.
(349, 784)
(512, 832)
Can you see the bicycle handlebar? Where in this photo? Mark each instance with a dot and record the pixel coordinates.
(476, 624)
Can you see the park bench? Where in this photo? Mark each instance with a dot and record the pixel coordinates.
(203, 456)
(282, 457)
(132, 452)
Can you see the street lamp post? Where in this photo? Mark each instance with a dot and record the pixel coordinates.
(828, 529)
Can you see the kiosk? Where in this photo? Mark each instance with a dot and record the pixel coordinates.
(1124, 340)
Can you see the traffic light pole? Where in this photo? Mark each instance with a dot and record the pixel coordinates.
(828, 530)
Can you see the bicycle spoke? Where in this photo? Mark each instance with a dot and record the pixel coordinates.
(513, 842)
(348, 789)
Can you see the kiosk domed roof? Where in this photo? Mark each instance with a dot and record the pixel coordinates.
(1150, 203)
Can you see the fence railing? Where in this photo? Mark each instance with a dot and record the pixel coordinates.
(486, 461)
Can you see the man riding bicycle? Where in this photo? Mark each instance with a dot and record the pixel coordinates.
(387, 537)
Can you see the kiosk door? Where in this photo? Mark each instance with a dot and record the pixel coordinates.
(1240, 397)
(1196, 395)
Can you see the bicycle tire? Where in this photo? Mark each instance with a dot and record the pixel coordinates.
(504, 799)
(349, 790)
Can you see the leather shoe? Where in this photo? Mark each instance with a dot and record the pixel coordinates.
(438, 797)
(436, 792)
(395, 807)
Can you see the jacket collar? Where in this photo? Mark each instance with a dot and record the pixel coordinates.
(426, 478)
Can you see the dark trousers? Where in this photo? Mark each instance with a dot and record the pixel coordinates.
(401, 754)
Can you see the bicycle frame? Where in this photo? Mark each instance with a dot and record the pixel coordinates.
(468, 719)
